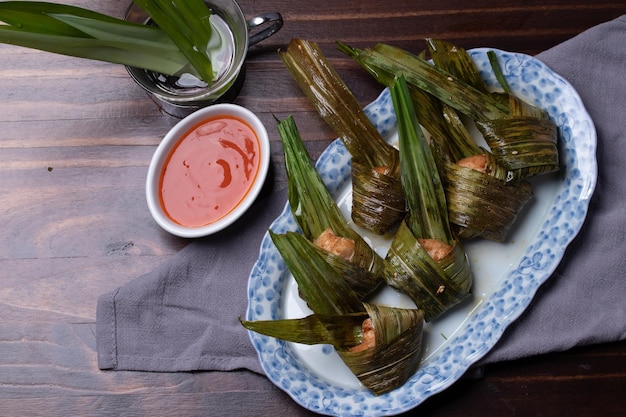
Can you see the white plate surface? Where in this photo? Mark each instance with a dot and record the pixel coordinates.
(506, 275)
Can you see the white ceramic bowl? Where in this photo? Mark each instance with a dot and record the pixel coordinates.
(169, 143)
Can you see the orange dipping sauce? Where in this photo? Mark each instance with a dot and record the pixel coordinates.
(209, 171)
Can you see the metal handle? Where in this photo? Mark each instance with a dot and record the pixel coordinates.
(274, 22)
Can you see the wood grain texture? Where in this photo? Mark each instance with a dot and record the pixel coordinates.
(76, 137)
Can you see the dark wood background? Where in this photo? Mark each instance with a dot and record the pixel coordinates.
(76, 137)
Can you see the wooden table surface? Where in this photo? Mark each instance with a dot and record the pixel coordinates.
(76, 137)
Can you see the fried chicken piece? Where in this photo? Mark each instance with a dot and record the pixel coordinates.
(476, 162)
(435, 248)
(381, 170)
(338, 245)
(369, 337)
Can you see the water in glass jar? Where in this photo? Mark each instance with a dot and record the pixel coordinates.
(221, 50)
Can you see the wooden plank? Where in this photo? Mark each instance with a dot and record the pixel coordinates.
(76, 137)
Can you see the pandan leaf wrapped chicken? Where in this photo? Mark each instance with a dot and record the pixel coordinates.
(381, 345)
(430, 266)
(484, 196)
(526, 141)
(321, 221)
(378, 201)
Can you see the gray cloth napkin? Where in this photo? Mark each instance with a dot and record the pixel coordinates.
(184, 315)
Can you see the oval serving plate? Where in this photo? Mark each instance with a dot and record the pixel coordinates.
(507, 275)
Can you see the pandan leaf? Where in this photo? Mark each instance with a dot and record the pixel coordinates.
(377, 203)
(178, 44)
